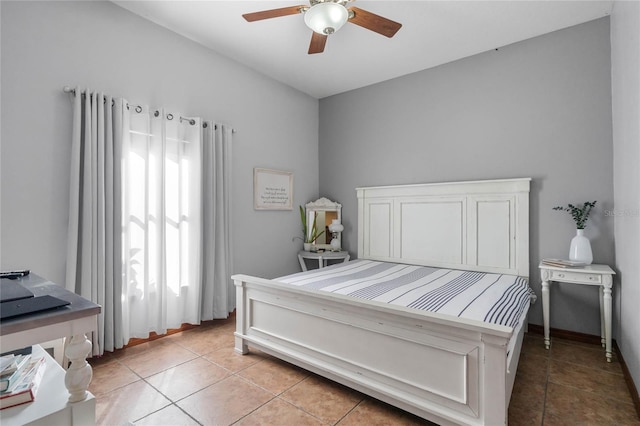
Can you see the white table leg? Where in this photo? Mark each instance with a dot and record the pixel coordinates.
(320, 262)
(607, 314)
(603, 334)
(302, 264)
(79, 374)
(545, 309)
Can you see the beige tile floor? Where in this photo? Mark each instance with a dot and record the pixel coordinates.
(194, 377)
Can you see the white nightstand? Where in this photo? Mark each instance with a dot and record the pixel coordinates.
(600, 275)
(322, 257)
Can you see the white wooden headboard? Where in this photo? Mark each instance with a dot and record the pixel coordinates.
(478, 226)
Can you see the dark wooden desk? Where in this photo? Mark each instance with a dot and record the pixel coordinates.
(74, 320)
(79, 308)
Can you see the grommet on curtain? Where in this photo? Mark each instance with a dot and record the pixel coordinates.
(190, 120)
(138, 109)
(156, 113)
(204, 125)
(169, 116)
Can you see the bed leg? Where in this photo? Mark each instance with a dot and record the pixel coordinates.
(241, 346)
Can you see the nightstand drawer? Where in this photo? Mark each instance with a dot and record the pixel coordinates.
(569, 276)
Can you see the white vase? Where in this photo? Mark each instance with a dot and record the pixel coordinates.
(307, 246)
(580, 250)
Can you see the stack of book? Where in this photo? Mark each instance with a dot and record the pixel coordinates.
(20, 377)
(562, 263)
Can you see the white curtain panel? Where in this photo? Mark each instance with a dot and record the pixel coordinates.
(149, 224)
(218, 296)
(162, 221)
(94, 237)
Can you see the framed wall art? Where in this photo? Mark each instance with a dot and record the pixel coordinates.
(272, 189)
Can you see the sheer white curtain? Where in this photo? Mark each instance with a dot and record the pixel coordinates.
(162, 172)
(155, 249)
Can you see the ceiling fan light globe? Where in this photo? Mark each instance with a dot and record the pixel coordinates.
(326, 18)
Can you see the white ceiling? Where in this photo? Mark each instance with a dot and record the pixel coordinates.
(432, 33)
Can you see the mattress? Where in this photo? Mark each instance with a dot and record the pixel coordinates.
(493, 298)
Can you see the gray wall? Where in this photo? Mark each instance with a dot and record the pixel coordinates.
(625, 76)
(540, 108)
(46, 45)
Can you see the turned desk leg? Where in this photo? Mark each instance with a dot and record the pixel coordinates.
(545, 308)
(79, 374)
(607, 284)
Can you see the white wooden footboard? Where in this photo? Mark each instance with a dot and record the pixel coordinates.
(444, 369)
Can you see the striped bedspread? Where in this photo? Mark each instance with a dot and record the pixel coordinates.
(493, 298)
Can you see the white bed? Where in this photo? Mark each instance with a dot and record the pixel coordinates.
(446, 369)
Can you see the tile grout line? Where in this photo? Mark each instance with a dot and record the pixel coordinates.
(349, 412)
(546, 385)
(595, 394)
(275, 396)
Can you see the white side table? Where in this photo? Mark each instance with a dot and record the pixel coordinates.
(322, 257)
(54, 404)
(600, 275)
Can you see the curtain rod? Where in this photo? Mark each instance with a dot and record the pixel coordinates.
(67, 89)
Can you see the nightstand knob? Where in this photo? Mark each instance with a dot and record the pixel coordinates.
(561, 275)
(591, 278)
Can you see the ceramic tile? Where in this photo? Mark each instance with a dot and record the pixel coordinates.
(108, 357)
(279, 412)
(576, 343)
(225, 402)
(233, 361)
(533, 368)
(533, 344)
(157, 358)
(589, 356)
(207, 340)
(128, 403)
(137, 349)
(371, 412)
(570, 406)
(527, 402)
(110, 376)
(274, 375)
(185, 379)
(323, 398)
(170, 415)
(588, 379)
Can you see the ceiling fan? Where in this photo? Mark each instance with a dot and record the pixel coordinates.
(325, 17)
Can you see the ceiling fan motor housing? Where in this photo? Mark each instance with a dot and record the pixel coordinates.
(326, 17)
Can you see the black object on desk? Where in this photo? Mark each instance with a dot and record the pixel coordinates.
(12, 275)
(13, 290)
(29, 306)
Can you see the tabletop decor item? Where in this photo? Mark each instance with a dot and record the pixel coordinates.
(309, 234)
(336, 228)
(580, 248)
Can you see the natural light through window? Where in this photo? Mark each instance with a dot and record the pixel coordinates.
(158, 189)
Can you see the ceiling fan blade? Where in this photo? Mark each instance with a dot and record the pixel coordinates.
(273, 13)
(317, 43)
(374, 22)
